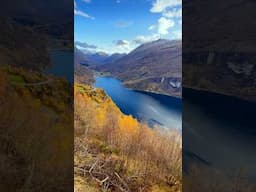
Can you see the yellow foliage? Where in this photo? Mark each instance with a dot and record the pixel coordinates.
(39, 134)
(101, 117)
(149, 155)
(128, 125)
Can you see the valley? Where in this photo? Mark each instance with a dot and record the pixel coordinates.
(123, 143)
(153, 67)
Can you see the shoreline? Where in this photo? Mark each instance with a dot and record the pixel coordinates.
(221, 93)
(98, 74)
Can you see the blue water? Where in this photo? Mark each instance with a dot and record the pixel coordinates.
(62, 64)
(155, 109)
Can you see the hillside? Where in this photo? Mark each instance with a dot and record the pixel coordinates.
(218, 58)
(82, 73)
(43, 17)
(35, 127)
(112, 154)
(154, 66)
(19, 47)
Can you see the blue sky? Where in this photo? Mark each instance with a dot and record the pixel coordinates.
(122, 25)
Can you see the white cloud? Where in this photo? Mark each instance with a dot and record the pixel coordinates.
(164, 25)
(151, 27)
(122, 46)
(160, 6)
(81, 13)
(122, 43)
(171, 14)
(174, 13)
(85, 45)
(143, 39)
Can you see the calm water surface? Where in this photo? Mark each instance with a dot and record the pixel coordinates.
(155, 109)
(220, 130)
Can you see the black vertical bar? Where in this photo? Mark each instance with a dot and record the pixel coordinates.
(36, 95)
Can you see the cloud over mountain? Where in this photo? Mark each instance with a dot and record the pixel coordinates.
(85, 45)
(122, 42)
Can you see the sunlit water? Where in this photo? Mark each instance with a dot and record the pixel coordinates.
(155, 109)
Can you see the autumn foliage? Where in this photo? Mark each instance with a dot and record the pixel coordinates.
(36, 128)
(115, 152)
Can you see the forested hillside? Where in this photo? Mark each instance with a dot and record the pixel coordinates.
(114, 152)
(36, 125)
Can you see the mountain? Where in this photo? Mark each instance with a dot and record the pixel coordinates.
(43, 16)
(30, 28)
(82, 73)
(154, 66)
(100, 58)
(97, 58)
(112, 58)
(220, 57)
(18, 47)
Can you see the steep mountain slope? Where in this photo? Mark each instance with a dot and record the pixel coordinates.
(154, 66)
(220, 57)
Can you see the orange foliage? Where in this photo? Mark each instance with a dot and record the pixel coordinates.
(128, 125)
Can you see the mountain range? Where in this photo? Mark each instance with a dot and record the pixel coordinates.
(154, 66)
(82, 73)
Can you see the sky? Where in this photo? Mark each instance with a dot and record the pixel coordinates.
(119, 26)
